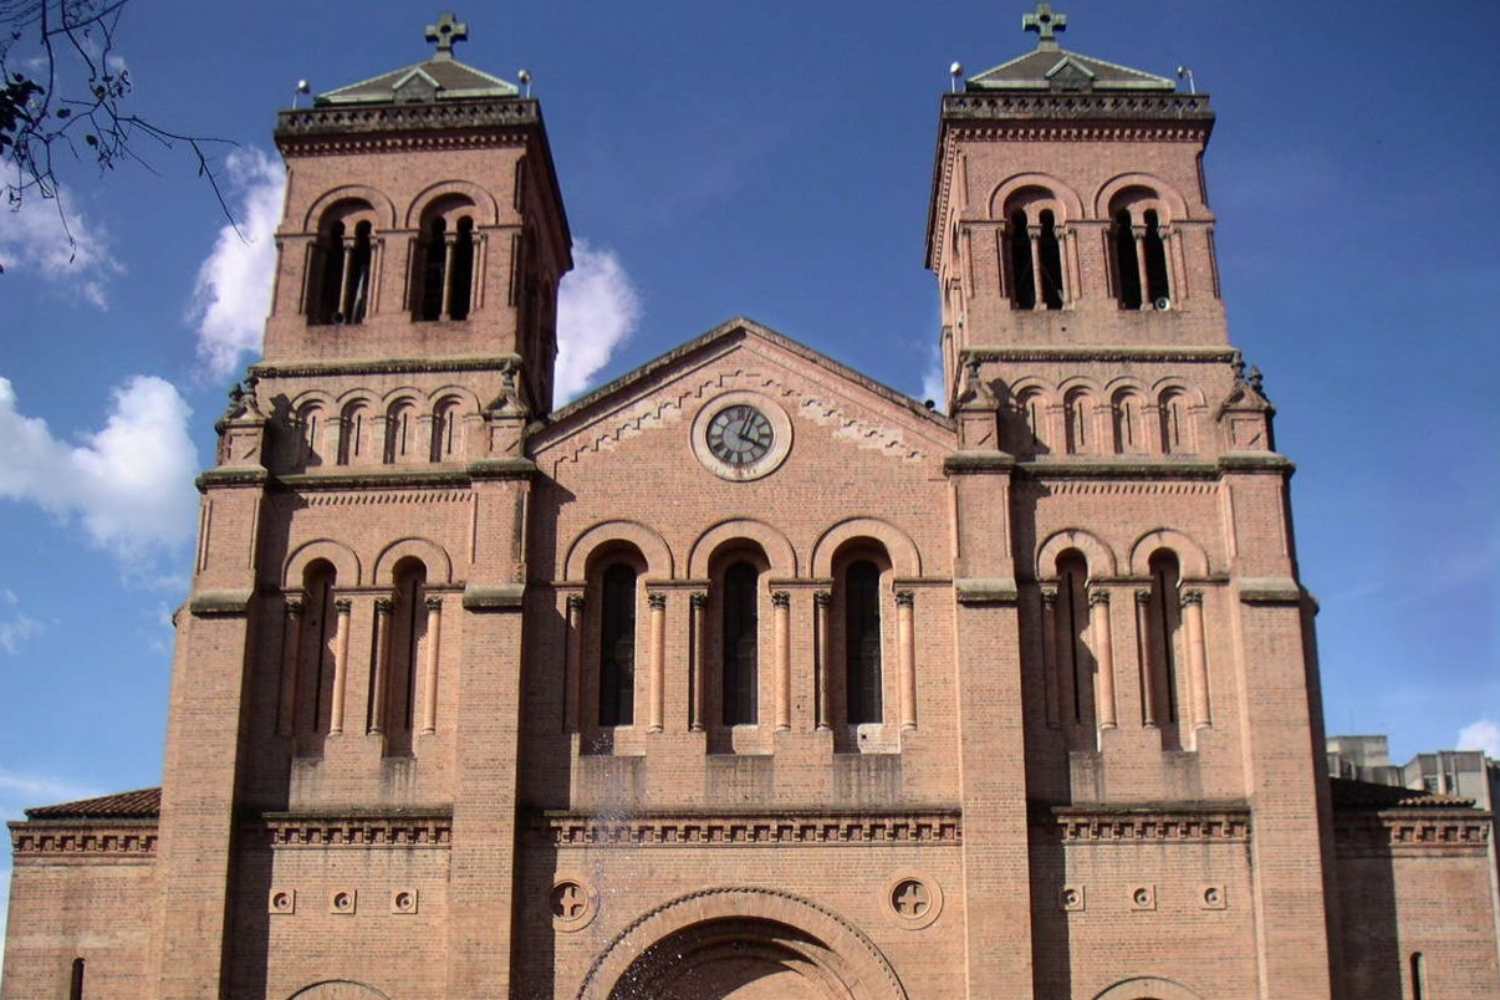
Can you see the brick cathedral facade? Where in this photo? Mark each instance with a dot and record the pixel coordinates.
(746, 677)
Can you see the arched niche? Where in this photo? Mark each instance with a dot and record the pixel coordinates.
(1190, 555)
(906, 560)
(338, 554)
(1068, 206)
(470, 402)
(777, 548)
(383, 207)
(338, 989)
(1101, 558)
(1171, 383)
(1175, 205)
(1148, 988)
(766, 921)
(410, 393)
(431, 555)
(659, 561)
(486, 209)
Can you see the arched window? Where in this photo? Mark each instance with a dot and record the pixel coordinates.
(1176, 430)
(445, 431)
(328, 264)
(1074, 665)
(1125, 413)
(311, 426)
(408, 628)
(862, 642)
(1033, 408)
(1127, 263)
(463, 270)
(1162, 634)
(315, 676)
(617, 647)
(401, 433)
(75, 981)
(434, 263)
(1023, 282)
(354, 435)
(741, 648)
(1157, 285)
(1050, 255)
(1076, 420)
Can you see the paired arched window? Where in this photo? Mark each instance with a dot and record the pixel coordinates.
(1142, 276)
(341, 269)
(862, 643)
(444, 274)
(740, 647)
(1035, 252)
(617, 646)
(1163, 634)
(1074, 665)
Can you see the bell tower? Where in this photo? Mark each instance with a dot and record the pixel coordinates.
(423, 221)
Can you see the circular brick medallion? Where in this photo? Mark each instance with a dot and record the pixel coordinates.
(573, 904)
(915, 900)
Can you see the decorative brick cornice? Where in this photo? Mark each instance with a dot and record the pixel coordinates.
(1149, 824)
(1384, 832)
(1103, 355)
(385, 366)
(408, 125)
(1188, 113)
(938, 827)
(400, 828)
(399, 477)
(123, 840)
(1119, 468)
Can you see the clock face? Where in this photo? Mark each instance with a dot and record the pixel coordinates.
(740, 435)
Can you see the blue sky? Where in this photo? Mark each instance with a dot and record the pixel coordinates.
(773, 159)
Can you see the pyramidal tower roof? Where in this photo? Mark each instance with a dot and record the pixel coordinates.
(441, 77)
(1051, 67)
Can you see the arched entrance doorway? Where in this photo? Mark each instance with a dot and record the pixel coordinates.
(741, 944)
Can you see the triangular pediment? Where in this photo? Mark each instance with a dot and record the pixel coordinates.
(743, 355)
(437, 79)
(1061, 69)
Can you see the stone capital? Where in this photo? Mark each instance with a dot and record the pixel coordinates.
(906, 598)
(658, 602)
(781, 599)
(1098, 595)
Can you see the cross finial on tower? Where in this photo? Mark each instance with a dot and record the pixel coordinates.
(1045, 24)
(447, 31)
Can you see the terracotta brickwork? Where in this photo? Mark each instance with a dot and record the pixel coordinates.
(745, 676)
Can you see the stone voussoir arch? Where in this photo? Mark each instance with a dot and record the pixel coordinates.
(1072, 205)
(776, 546)
(486, 209)
(338, 989)
(652, 546)
(343, 559)
(871, 975)
(906, 559)
(1191, 556)
(1147, 988)
(378, 201)
(1101, 558)
(1173, 201)
(431, 554)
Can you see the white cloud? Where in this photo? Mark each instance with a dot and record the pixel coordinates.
(933, 382)
(130, 483)
(1482, 735)
(233, 293)
(34, 239)
(17, 630)
(598, 308)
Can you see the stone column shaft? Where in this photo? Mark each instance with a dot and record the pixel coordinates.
(1192, 613)
(1049, 655)
(343, 606)
(907, 649)
(382, 664)
(430, 676)
(824, 642)
(1148, 664)
(696, 703)
(781, 610)
(1039, 299)
(291, 660)
(449, 245)
(573, 692)
(1104, 658)
(658, 679)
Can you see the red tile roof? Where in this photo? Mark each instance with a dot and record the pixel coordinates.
(1350, 794)
(142, 804)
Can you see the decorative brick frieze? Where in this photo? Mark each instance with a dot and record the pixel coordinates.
(412, 497)
(1406, 831)
(290, 831)
(385, 366)
(1188, 113)
(1104, 355)
(82, 840)
(1084, 825)
(575, 829)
